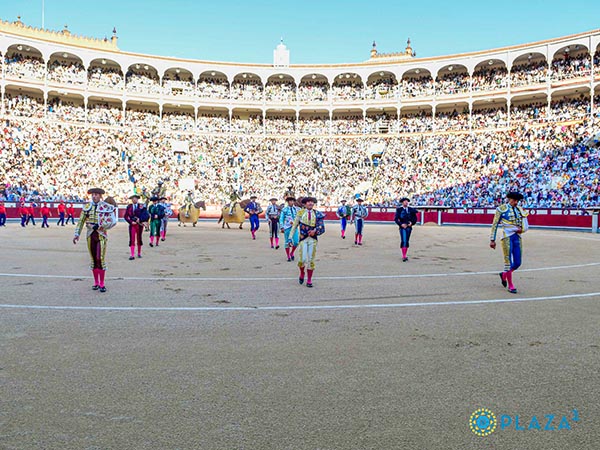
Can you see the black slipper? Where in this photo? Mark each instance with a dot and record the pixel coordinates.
(504, 283)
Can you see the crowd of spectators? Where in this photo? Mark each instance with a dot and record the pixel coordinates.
(105, 78)
(213, 88)
(51, 159)
(22, 105)
(566, 67)
(383, 88)
(381, 123)
(22, 66)
(530, 72)
(67, 73)
(347, 125)
(176, 85)
(548, 164)
(178, 122)
(347, 87)
(63, 109)
(529, 112)
(346, 90)
(570, 108)
(311, 126)
(55, 149)
(104, 114)
(416, 122)
(452, 83)
(489, 118)
(489, 78)
(142, 83)
(142, 118)
(452, 120)
(253, 124)
(212, 123)
(280, 125)
(280, 91)
(423, 86)
(247, 89)
(313, 91)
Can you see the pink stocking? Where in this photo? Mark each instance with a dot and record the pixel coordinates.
(509, 279)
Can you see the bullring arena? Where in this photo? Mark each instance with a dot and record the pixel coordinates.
(209, 342)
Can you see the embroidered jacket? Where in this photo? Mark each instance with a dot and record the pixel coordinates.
(272, 212)
(344, 211)
(101, 214)
(287, 216)
(405, 215)
(253, 208)
(511, 218)
(307, 221)
(359, 212)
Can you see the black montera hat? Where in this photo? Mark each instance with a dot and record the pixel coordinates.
(305, 200)
(515, 195)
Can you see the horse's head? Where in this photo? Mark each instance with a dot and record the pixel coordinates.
(244, 203)
(200, 205)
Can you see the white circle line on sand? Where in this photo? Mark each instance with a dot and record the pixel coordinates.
(345, 277)
(566, 235)
(297, 307)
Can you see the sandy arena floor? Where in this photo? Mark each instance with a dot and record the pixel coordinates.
(208, 342)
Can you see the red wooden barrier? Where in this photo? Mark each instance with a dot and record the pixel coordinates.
(563, 218)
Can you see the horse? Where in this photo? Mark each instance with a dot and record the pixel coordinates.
(238, 216)
(193, 215)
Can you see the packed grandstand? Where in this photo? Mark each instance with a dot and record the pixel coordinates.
(455, 130)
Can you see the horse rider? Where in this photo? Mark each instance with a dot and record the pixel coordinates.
(188, 202)
(233, 200)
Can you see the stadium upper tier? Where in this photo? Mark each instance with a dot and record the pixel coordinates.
(89, 80)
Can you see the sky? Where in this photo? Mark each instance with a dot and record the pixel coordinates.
(318, 32)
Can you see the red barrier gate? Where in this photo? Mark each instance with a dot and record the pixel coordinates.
(544, 217)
